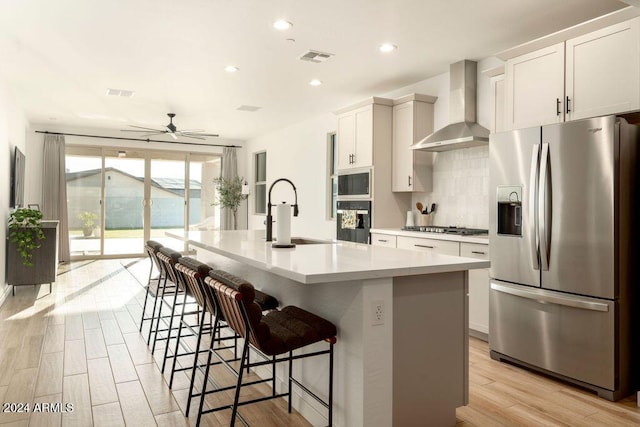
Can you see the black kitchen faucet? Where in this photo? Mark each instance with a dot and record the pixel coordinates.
(269, 205)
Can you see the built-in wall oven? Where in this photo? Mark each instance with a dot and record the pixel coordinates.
(354, 220)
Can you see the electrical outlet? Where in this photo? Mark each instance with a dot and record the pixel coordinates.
(377, 312)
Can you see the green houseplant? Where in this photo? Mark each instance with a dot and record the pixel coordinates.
(88, 222)
(230, 195)
(25, 229)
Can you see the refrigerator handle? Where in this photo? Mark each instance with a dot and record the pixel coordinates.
(533, 218)
(543, 207)
(543, 297)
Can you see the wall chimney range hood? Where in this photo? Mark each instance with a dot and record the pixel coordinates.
(464, 131)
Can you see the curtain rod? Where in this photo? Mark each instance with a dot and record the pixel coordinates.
(137, 139)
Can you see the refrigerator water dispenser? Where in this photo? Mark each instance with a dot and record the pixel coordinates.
(509, 200)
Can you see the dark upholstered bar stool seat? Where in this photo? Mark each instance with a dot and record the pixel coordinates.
(153, 286)
(274, 335)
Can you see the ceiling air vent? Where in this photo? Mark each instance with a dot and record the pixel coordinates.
(250, 108)
(315, 56)
(120, 92)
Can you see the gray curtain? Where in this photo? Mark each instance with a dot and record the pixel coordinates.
(229, 171)
(54, 190)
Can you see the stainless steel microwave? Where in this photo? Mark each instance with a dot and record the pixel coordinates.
(356, 185)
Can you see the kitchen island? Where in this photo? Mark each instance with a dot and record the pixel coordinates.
(406, 366)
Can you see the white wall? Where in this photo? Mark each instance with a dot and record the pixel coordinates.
(298, 153)
(13, 130)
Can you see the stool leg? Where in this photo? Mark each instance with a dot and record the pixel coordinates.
(177, 347)
(290, 376)
(155, 335)
(330, 385)
(146, 297)
(173, 313)
(245, 356)
(273, 379)
(203, 390)
(195, 359)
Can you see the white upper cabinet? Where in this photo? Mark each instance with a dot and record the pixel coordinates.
(412, 121)
(603, 71)
(535, 88)
(357, 128)
(498, 120)
(591, 75)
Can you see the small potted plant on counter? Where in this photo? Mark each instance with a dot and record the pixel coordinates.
(25, 230)
(230, 195)
(88, 222)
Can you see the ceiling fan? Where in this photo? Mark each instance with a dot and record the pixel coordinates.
(171, 130)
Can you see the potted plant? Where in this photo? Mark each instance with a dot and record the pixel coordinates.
(230, 195)
(25, 229)
(88, 222)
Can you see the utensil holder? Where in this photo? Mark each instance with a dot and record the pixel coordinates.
(425, 220)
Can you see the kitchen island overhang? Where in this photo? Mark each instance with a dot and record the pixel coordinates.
(407, 369)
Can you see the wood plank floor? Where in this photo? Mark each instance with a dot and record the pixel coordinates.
(81, 345)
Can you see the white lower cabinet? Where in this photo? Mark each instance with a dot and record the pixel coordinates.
(383, 240)
(429, 245)
(478, 288)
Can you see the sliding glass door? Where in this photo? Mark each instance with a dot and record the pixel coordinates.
(120, 198)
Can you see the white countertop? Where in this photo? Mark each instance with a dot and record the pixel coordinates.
(482, 239)
(322, 263)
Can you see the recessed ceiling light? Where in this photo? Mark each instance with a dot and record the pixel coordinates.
(387, 47)
(315, 82)
(282, 25)
(231, 69)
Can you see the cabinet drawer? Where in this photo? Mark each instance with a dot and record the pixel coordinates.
(443, 247)
(383, 240)
(474, 250)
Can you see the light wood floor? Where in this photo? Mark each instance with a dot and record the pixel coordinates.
(81, 345)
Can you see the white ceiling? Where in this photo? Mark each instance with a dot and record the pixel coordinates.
(59, 57)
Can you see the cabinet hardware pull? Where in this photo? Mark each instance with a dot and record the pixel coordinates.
(409, 181)
(424, 246)
(568, 108)
(382, 240)
(557, 106)
(478, 252)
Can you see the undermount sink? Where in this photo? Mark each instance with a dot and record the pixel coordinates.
(306, 241)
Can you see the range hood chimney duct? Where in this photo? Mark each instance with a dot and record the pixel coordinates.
(463, 131)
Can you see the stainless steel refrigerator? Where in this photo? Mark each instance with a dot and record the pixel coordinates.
(563, 200)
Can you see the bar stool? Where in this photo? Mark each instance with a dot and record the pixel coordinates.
(274, 336)
(151, 248)
(167, 259)
(194, 273)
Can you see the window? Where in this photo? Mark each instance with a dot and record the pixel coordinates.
(332, 163)
(260, 174)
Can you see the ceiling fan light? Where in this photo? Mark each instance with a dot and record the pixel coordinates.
(282, 25)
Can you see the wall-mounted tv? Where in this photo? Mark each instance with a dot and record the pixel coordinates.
(17, 179)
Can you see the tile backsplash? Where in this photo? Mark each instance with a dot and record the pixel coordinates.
(460, 188)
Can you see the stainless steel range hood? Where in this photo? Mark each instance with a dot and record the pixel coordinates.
(464, 131)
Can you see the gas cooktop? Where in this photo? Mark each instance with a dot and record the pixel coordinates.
(447, 230)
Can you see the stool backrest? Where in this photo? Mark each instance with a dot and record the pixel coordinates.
(168, 258)
(151, 248)
(235, 298)
(193, 272)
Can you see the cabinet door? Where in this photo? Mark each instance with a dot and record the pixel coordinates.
(403, 178)
(498, 87)
(443, 247)
(535, 88)
(478, 287)
(364, 137)
(378, 239)
(603, 70)
(346, 140)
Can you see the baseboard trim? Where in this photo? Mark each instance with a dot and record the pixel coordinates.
(480, 335)
(4, 295)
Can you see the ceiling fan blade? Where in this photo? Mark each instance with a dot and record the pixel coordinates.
(142, 127)
(173, 135)
(190, 131)
(215, 135)
(190, 136)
